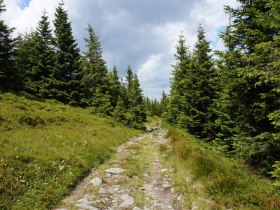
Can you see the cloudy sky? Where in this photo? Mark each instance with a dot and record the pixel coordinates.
(142, 33)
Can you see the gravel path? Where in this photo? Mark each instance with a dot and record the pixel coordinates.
(135, 178)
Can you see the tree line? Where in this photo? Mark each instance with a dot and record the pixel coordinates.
(46, 64)
(233, 102)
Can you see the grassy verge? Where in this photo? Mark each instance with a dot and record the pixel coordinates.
(46, 147)
(210, 181)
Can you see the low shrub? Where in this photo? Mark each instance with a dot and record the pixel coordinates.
(32, 121)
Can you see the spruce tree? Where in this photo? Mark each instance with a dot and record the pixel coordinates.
(193, 89)
(66, 76)
(101, 103)
(95, 76)
(251, 61)
(46, 55)
(202, 89)
(152, 107)
(36, 58)
(128, 86)
(177, 105)
(115, 86)
(136, 114)
(26, 62)
(164, 102)
(119, 113)
(9, 76)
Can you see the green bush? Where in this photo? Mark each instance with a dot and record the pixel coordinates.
(32, 121)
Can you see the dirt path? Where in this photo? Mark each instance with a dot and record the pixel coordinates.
(135, 178)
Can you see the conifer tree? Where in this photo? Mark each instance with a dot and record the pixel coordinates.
(164, 102)
(177, 105)
(115, 86)
(26, 61)
(36, 58)
(128, 86)
(119, 113)
(202, 89)
(193, 89)
(9, 77)
(101, 103)
(152, 107)
(46, 55)
(95, 75)
(65, 85)
(252, 95)
(136, 115)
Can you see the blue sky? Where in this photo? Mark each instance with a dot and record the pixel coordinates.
(24, 4)
(143, 34)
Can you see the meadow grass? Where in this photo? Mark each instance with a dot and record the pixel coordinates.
(213, 181)
(47, 147)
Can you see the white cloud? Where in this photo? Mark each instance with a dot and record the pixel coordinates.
(151, 74)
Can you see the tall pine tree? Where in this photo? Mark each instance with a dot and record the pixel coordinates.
(95, 76)
(66, 76)
(36, 58)
(136, 114)
(46, 55)
(177, 105)
(202, 89)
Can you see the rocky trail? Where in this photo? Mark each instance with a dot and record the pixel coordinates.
(134, 178)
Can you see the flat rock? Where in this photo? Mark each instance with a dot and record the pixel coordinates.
(96, 181)
(127, 200)
(114, 189)
(86, 206)
(83, 200)
(136, 208)
(102, 191)
(114, 170)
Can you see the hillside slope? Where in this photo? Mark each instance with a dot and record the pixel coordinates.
(46, 147)
(200, 174)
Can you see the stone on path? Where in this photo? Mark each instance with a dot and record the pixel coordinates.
(114, 189)
(96, 181)
(136, 208)
(114, 170)
(102, 191)
(86, 206)
(127, 200)
(163, 170)
(83, 200)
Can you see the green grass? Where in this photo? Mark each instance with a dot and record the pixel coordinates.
(47, 147)
(220, 181)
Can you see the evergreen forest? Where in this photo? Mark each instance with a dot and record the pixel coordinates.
(45, 64)
(228, 99)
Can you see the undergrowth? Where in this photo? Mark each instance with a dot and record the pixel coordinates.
(46, 147)
(228, 183)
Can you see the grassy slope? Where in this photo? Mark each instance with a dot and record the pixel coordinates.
(46, 147)
(201, 174)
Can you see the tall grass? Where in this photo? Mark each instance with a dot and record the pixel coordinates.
(46, 147)
(228, 183)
